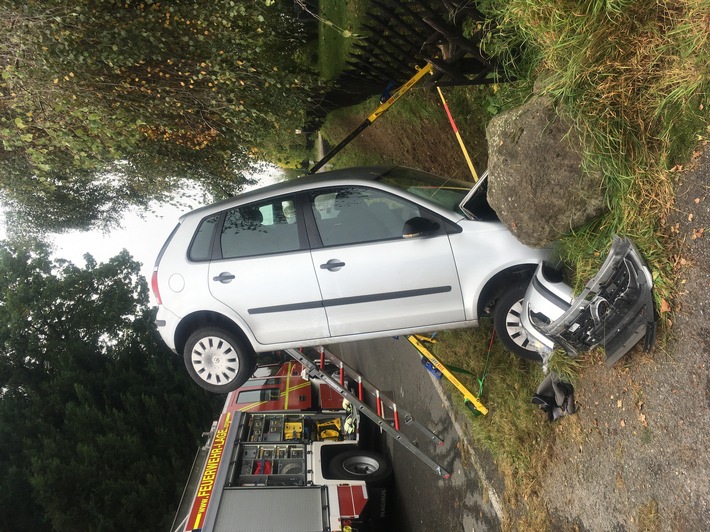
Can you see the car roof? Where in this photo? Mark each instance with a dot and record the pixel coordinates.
(333, 177)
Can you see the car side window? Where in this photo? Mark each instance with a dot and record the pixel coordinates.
(260, 228)
(201, 242)
(350, 215)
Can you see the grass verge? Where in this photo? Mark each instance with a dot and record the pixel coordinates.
(515, 432)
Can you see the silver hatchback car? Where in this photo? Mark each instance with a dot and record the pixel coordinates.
(336, 257)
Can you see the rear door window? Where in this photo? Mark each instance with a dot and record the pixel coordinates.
(262, 228)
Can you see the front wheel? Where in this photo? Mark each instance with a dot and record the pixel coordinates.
(360, 465)
(218, 361)
(508, 327)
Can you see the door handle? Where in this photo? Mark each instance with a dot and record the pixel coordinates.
(225, 277)
(333, 265)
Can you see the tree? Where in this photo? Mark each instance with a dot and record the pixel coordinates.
(96, 95)
(98, 421)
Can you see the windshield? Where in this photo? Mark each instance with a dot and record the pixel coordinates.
(443, 191)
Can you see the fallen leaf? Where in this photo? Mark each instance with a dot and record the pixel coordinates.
(665, 306)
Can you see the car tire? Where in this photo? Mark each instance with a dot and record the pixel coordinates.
(506, 320)
(360, 465)
(217, 360)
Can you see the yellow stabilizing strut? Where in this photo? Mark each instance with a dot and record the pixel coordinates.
(396, 95)
(458, 136)
(468, 396)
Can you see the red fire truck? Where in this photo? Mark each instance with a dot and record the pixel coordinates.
(282, 386)
(285, 454)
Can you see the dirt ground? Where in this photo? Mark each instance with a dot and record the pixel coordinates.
(634, 457)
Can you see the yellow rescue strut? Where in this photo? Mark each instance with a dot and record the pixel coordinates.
(470, 400)
(396, 95)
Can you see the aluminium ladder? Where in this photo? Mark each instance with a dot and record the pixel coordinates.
(382, 402)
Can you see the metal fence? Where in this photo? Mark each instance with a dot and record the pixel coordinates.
(398, 36)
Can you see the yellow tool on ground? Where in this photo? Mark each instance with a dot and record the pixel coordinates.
(470, 400)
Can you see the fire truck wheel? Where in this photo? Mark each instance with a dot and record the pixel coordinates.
(360, 465)
(218, 361)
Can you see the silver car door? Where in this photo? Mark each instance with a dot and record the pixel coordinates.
(266, 275)
(371, 277)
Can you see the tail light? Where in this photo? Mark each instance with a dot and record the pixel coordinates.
(154, 286)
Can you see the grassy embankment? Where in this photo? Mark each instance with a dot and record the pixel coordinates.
(633, 77)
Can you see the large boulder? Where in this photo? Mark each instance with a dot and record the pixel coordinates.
(536, 183)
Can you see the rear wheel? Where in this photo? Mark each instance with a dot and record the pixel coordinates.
(508, 327)
(217, 360)
(360, 465)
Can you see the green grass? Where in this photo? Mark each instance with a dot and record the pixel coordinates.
(415, 121)
(513, 425)
(515, 432)
(339, 20)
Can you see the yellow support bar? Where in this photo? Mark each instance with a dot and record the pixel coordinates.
(450, 376)
(396, 95)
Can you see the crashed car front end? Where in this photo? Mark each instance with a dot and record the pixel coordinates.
(615, 310)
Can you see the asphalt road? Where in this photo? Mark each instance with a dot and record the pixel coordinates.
(424, 501)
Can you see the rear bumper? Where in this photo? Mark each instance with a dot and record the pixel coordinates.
(166, 323)
(615, 310)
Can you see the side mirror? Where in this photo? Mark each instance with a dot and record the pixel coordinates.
(419, 226)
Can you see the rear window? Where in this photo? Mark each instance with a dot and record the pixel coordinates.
(260, 229)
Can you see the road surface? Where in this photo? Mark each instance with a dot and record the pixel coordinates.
(423, 501)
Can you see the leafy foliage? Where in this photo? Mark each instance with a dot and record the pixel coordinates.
(98, 421)
(118, 100)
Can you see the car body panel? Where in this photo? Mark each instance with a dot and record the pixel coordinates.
(483, 250)
(615, 310)
(389, 285)
(292, 299)
(475, 204)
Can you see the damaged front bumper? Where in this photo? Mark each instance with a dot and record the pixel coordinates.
(615, 310)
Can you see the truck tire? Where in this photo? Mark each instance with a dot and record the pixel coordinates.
(217, 360)
(360, 465)
(506, 320)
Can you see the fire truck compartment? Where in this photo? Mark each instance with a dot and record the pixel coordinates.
(272, 509)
